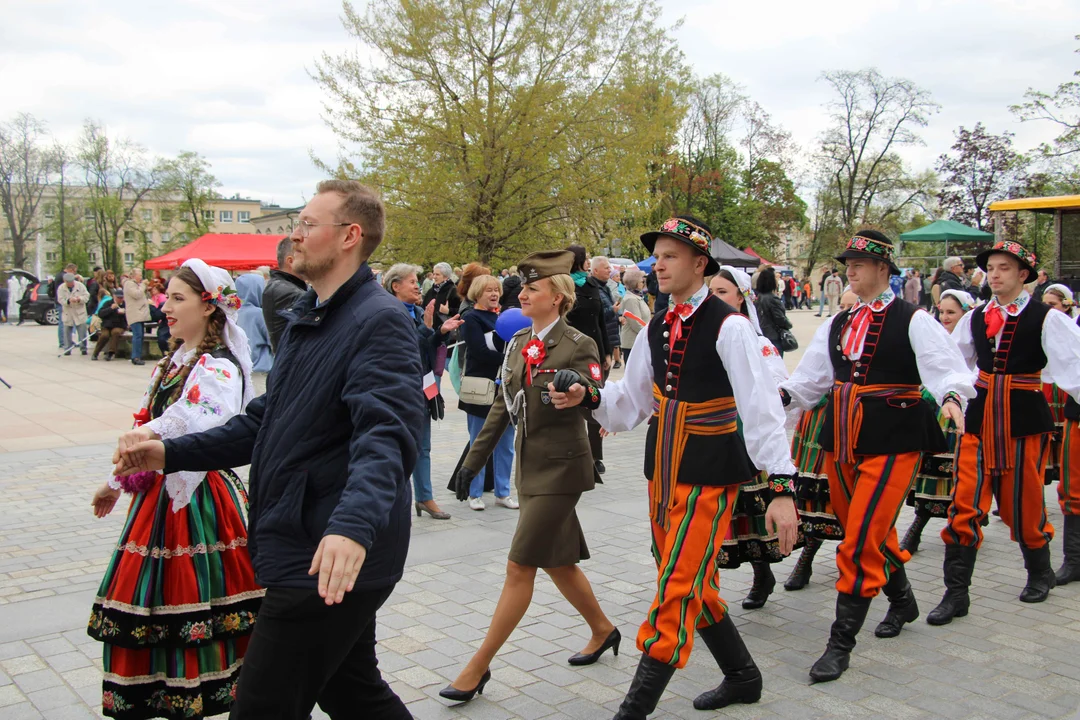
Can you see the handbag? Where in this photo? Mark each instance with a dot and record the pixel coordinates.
(788, 343)
(477, 390)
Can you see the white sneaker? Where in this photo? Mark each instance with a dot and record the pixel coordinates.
(476, 503)
(507, 502)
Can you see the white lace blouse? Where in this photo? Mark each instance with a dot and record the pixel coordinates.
(213, 394)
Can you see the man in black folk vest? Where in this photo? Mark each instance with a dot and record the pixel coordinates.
(1012, 340)
(872, 361)
(699, 371)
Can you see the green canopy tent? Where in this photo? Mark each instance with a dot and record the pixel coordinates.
(947, 231)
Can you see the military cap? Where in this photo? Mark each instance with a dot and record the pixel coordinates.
(545, 264)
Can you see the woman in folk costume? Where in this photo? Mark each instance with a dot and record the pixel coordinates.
(817, 521)
(932, 492)
(1060, 298)
(178, 601)
(748, 539)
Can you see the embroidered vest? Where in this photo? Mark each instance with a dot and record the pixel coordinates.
(1019, 352)
(890, 426)
(689, 370)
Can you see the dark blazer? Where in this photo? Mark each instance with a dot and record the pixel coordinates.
(587, 315)
(333, 441)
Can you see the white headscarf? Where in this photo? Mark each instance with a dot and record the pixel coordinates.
(742, 280)
(964, 298)
(1065, 291)
(219, 284)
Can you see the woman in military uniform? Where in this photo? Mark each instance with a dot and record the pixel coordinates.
(554, 465)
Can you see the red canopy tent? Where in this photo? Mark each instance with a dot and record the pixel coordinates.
(231, 252)
(750, 251)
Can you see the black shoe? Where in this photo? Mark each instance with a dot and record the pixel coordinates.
(959, 564)
(109, 356)
(463, 696)
(650, 679)
(913, 536)
(612, 642)
(742, 679)
(93, 357)
(804, 566)
(617, 365)
(84, 353)
(137, 361)
(850, 615)
(1070, 568)
(1041, 579)
(764, 582)
(902, 606)
(598, 465)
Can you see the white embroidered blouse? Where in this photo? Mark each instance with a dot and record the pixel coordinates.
(213, 394)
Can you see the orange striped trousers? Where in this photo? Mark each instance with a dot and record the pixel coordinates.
(867, 496)
(1019, 493)
(1069, 462)
(687, 583)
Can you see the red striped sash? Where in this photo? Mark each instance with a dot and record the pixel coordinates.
(848, 411)
(999, 450)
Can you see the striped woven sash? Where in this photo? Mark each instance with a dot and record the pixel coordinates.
(677, 420)
(999, 450)
(848, 411)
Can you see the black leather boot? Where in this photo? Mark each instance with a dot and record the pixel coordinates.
(1041, 578)
(913, 536)
(764, 582)
(850, 615)
(1070, 568)
(902, 606)
(648, 685)
(959, 565)
(742, 679)
(804, 566)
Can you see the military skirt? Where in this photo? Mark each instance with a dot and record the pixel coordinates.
(548, 533)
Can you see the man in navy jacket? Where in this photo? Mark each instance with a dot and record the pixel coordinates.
(331, 444)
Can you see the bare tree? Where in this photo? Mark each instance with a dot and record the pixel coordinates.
(118, 175)
(872, 116)
(24, 175)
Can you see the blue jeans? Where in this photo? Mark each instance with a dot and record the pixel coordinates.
(421, 476)
(821, 304)
(136, 340)
(504, 460)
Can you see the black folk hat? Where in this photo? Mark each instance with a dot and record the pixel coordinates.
(870, 245)
(1012, 249)
(687, 229)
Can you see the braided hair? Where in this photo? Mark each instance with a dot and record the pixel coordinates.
(214, 337)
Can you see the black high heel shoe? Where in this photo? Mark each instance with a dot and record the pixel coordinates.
(463, 696)
(612, 642)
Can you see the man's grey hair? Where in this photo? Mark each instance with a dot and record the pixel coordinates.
(284, 250)
(600, 259)
(632, 278)
(68, 277)
(397, 273)
(951, 262)
(445, 269)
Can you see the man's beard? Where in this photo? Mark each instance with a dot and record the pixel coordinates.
(311, 270)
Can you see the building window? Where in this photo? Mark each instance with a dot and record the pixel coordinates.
(147, 215)
(208, 215)
(51, 257)
(243, 216)
(225, 216)
(166, 215)
(166, 237)
(93, 256)
(50, 211)
(88, 213)
(129, 236)
(129, 258)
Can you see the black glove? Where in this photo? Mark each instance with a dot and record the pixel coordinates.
(464, 480)
(565, 378)
(436, 406)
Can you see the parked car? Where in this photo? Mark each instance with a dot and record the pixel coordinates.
(37, 303)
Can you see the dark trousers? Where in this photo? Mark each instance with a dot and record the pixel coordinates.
(304, 652)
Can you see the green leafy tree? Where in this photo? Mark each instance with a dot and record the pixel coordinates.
(495, 127)
(981, 168)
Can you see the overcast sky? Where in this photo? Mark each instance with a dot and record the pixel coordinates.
(229, 78)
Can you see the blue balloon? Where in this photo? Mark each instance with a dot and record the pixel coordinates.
(510, 322)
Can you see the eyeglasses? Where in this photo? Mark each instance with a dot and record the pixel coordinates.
(305, 227)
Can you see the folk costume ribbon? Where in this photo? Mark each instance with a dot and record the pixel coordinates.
(676, 421)
(999, 450)
(848, 411)
(995, 320)
(859, 324)
(674, 318)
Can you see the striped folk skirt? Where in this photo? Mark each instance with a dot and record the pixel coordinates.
(177, 605)
(816, 517)
(748, 538)
(1056, 398)
(931, 494)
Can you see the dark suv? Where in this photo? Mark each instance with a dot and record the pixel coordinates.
(37, 304)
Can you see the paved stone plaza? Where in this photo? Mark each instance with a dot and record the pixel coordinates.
(57, 431)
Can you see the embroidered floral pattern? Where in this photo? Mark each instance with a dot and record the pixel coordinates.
(177, 704)
(768, 351)
(194, 631)
(877, 304)
(1016, 249)
(195, 399)
(224, 297)
(688, 230)
(781, 485)
(1012, 308)
(226, 694)
(101, 626)
(874, 247)
(111, 701)
(234, 622)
